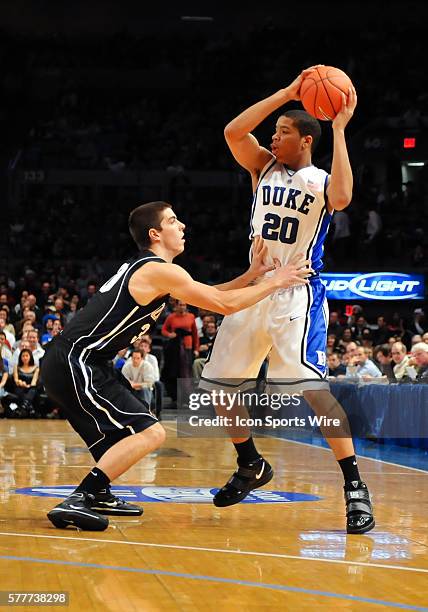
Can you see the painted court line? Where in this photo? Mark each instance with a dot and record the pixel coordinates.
(218, 550)
(406, 467)
(213, 469)
(248, 583)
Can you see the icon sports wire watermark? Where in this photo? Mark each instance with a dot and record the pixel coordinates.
(240, 408)
(299, 408)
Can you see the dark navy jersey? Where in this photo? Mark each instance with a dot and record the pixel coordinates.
(112, 319)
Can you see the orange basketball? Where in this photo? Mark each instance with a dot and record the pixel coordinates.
(320, 92)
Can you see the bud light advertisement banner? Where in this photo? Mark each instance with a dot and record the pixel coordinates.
(374, 286)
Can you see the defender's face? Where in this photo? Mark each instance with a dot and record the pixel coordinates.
(287, 144)
(172, 232)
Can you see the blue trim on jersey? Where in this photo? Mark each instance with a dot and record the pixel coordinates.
(253, 208)
(315, 330)
(315, 252)
(318, 250)
(317, 333)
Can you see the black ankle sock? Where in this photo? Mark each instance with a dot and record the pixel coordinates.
(95, 482)
(247, 452)
(349, 469)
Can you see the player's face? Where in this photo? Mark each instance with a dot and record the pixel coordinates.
(287, 144)
(172, 234)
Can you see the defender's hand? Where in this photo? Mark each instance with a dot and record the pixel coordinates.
(295, 272)
(258, 266)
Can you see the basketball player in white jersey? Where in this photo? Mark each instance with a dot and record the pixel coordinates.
(98, 402)
(292, 207)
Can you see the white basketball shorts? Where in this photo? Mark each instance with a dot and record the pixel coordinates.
(290, 326)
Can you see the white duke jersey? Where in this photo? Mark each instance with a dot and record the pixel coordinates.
(290, 212)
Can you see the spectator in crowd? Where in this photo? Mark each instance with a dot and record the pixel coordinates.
(367, 338)
(400, 359)
(60, 310)
(88, 292)
(382, 354)
(206, 342)
(120, 359)
(334, 326)
(381, 332)
(357, 310)
(74, 307)
(54, 331)
(416, 338)
(36, 349)
(158, 389)
(396, 328)
(420, 356)
(23, 303)
(23, 344)
(48, 325)
(140, 375)
(351, 349)
(206, 319)
(4, 375)
(4, 314)
(5, 351)
(373, 232)
(198, 320)
(341, 235)
(418, 324)
(360, 365)
(425, 338)
(32, 305)
(359, 327)
(27, 327)
(28, 316)
(345, 339)
(9, 336)
(45, 294)
(332, 343)
(335, 367)
(146, 347)
(180, 329)
(26, 376)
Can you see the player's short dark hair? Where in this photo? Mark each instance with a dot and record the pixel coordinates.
(144, 218)
(306, 125)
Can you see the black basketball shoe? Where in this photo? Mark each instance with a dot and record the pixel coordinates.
(242, 482)
(107, 503)
(76, 510)
(359, 511)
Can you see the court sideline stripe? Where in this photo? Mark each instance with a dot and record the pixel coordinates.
(360, 456)
(218, 550)
(248, 583)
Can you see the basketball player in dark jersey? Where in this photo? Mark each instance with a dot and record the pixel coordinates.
(118, 428)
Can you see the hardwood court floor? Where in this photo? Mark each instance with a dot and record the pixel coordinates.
(193, 556)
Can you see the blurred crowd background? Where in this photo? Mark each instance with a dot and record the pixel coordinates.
(102, 109)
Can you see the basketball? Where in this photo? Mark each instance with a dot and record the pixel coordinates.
(321, 92)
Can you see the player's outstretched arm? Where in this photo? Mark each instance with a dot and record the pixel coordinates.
(243, 145)
(169, 278)
(339, 190)
(257, 268)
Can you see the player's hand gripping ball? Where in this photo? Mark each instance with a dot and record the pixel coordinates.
(321, 92)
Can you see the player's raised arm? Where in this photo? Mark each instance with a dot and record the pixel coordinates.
(170, 278)
(339, 190)
(243, 145)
